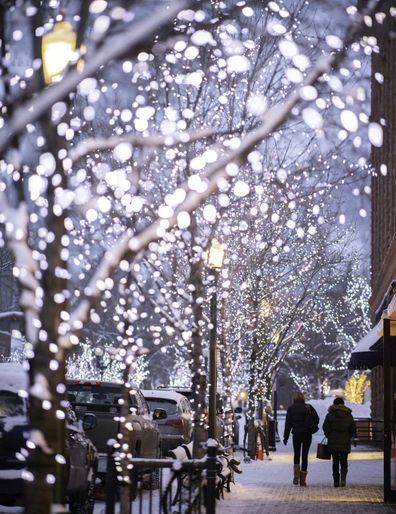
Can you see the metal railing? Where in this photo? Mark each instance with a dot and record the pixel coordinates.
(160, 486)
(169, 486)
(369, 430)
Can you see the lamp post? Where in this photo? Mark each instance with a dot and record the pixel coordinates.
(215, 258)
(58, 50)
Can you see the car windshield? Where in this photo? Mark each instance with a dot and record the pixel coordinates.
(93, 394)
(11, 404)
(162, 403)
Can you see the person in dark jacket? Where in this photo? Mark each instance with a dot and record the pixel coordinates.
(302, 420)
(339, 427)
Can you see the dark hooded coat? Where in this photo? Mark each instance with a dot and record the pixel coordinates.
(339, 427)
(297, 419)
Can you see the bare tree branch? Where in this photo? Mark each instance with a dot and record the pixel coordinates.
(113, 48)
(130, 245)
(90, 145)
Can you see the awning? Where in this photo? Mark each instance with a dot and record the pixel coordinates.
(368, 351)
(362, 357)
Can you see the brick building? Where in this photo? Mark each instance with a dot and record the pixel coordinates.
(383, 204)
(383, 224)
(377, 350)
(383, 111)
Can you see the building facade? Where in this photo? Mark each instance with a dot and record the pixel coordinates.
(383, 185)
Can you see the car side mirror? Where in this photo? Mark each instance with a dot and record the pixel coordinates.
(159, 414)
(89, 421)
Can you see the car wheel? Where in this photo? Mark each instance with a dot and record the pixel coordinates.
(83, 502)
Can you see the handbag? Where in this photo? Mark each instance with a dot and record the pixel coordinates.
(322, 451)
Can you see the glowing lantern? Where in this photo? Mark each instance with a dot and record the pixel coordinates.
(58, 50)
(215, 255)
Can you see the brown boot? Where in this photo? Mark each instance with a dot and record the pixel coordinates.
(303, 478)
(296, 471)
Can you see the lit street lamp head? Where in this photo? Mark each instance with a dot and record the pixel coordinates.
(58, 50)
(215, 255)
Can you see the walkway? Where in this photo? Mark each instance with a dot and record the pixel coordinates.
(265, 487)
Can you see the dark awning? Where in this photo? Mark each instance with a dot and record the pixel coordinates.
(362, 356)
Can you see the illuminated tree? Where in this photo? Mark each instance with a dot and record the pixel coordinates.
(322, 352)
(355, 387)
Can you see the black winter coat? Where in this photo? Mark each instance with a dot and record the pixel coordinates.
(297, 419)
(339, 427)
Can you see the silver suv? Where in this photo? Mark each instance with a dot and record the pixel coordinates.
(176, 428)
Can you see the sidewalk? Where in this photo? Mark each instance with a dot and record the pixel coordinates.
(265, 487)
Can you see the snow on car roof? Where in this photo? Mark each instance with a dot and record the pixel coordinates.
(87, 382)
(13, 377)
(163, 395)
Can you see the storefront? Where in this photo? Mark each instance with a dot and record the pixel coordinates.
(377, 351)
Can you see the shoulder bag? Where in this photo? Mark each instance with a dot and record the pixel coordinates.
(322, 451)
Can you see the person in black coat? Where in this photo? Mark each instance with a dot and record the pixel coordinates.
(339, 427)
(302, 420)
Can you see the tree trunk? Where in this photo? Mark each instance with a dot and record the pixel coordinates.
(225, 359)
(46, 492)
(125, 483)
(251, 445)
(199, 379)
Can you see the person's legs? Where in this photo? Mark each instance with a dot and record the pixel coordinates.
(306, 443)
(297, 454)
(266, 435)
(297, 442)
(344, 467)
(336, 468)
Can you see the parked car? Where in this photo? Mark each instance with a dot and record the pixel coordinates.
(102, 399)
(187, 393)
(176, 428)
(81, 455)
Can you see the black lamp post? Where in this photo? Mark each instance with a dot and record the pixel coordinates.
(215, 259)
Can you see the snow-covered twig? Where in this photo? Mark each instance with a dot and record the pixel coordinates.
(113, 48)
(93, 144)
(224, 168)
(16, 222)
(173, 318)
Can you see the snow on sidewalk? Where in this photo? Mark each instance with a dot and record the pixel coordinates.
(265, 487)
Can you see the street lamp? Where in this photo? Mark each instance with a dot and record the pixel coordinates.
(58, 50)
(214, 258)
